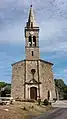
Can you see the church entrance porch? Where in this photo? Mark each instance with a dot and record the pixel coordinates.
(33, 93)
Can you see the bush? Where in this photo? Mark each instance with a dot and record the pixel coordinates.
(39, 101)
(55, 99)
(46, 102)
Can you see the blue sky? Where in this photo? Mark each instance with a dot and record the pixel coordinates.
(51, 15)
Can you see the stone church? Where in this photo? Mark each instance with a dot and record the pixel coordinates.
(32, 78)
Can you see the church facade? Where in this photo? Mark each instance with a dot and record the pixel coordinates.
(32, 78)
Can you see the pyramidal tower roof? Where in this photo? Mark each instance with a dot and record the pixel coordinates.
(31, 19)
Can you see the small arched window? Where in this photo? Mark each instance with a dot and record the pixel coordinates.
(33, 71)
(34, 41)
(32, 53)
(30, 41)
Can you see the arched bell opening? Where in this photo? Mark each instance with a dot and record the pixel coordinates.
(34, 41)
(30, 41)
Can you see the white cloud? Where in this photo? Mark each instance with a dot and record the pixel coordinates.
(52, 18)
(65, 70)
(61, 47)
(52, 29)
(12, 34)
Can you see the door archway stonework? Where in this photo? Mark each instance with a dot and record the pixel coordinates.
(28, 87)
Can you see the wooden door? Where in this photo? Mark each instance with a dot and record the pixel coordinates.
(33, 93)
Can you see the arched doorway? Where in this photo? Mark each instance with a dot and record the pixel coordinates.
(33, 93)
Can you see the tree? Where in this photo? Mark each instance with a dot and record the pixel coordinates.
(65, 92)
(2, 84)
(6, 91)
(60, 85)
(5, 88)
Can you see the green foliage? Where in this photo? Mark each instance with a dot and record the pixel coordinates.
(61, 87)
(65, 92)
(2, 84)
(7, 90)
(39, 101)
(59, 83)
(55, 99)
(65, 89)
(45, 102)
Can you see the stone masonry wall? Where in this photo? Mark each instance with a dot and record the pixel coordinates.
(46, 77)
(29, 66)
(29, 53)
(17, 89)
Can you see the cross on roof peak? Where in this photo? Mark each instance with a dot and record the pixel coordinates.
(30, 5)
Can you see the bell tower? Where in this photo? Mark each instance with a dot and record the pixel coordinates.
(32, 37)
